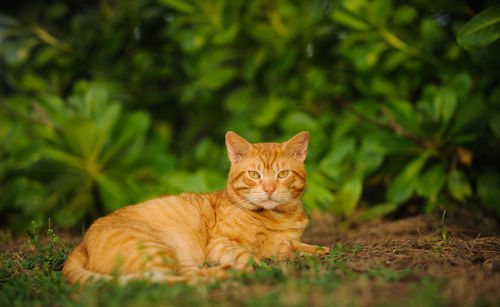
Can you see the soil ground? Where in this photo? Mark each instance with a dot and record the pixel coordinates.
(462, 251)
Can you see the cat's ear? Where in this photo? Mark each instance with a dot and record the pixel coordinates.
(237, 147)
(297, 146)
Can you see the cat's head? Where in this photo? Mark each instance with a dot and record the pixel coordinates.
(266, 175)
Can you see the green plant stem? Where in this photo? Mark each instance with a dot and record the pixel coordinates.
(49, 39)
(20, 115)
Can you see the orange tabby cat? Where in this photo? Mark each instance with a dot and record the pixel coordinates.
(170, 238)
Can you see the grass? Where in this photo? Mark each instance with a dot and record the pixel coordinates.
(31, 276)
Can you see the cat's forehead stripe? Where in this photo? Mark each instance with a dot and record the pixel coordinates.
(268, 159)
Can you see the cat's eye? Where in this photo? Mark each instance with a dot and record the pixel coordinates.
(253, 174)
(282, 174)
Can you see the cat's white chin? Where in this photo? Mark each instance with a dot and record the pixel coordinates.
(269, 204)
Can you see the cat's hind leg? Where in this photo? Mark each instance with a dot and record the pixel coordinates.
(158, 264)
(153, 276)
(191, 257)
(131, 252)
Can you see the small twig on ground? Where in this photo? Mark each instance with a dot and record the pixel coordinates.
(469, 248)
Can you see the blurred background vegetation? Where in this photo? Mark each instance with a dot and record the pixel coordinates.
(106, 103)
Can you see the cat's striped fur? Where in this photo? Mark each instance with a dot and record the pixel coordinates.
(170, 238)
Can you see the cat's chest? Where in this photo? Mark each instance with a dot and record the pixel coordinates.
(269, 243)
(266, 236)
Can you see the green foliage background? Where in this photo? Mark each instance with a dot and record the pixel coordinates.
(106, 103)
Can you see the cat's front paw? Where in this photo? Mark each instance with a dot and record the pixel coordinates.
(213, 273)
(321, 250)
(310, 249)
(246, 262)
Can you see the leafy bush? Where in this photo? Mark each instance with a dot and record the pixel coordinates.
(398, 111)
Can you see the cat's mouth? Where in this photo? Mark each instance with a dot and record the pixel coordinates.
(269, 204)
(262, 203)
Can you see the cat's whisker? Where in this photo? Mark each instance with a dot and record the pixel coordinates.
(299, 203)
(245, 201)
(238, 205)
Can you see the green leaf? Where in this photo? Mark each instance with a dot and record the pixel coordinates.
(433, 202)
(239, 100)
(332, 164)
(226, 36)
(254, 62)
(432, 181)
(81, 137)
(54, 107)
(94, 100)
(488, 189)
(318, 193)
(445, 104)
(458, 185)
(405, 14)
(379, 11)
(53, 153)
(269, 112)
(109, 118)
(134, 126)
(207, 152)
(495, 123)
(470, 117)
(179, 5)
(405, 182)
(462, 84)
(349, 195)
(112, 193)
(75, 209)
(369, 157)
(10, 21)
(297, 121)
(33, 82)
(201, 181)
(348, 19)
(481, 30)
(377, 211)
(317, 196)
(404, 113)
(390, 143)
(217, 78)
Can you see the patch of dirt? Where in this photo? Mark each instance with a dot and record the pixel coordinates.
(464, 251)
(22, 242)
(461, 255)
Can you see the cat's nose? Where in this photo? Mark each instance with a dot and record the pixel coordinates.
(269, 189)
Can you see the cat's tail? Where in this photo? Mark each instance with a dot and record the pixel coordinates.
(74, 269)
(75, 272)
